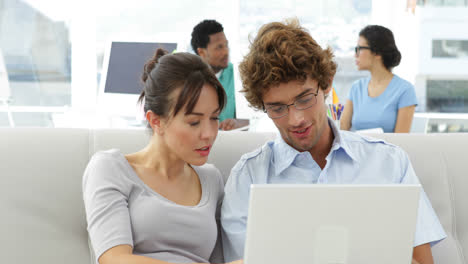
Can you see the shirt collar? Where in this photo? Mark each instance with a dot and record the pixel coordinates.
(340, 141)
(218, 74)
(285, 155)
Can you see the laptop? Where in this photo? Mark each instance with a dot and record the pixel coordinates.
(331, 224)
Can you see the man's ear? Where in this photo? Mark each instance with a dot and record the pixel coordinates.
(154, 121)
(201, 52)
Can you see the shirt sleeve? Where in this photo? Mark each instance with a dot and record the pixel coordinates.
(408, 97)
(234, 212)
(428, 227)
(105, 195)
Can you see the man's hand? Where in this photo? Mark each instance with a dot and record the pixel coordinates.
(422, 254)
(230, 124)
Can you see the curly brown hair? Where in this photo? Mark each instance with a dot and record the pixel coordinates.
(283, 52)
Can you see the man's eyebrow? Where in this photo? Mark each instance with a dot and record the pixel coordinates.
(306, 91)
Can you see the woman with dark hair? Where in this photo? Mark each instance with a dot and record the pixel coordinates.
(384, 100)
(161, 204)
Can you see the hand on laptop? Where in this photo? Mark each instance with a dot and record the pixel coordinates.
(241, 261)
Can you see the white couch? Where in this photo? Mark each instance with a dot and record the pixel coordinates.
(43, 219)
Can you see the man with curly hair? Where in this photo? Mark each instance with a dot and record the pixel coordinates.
(288, 75)
(210, 43)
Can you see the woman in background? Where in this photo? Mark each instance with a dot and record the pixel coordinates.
(384, 100)
(161, 204)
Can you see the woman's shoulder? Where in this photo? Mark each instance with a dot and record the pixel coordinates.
(402, 83)
(361, 83)
(107, 158)
(210, 174)
(110, 154)
(107, 167)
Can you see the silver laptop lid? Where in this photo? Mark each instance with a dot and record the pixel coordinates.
(331, 224)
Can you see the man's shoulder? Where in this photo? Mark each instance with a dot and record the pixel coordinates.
(227, 76)
(229, 70)
(363, 144)
(258, 157)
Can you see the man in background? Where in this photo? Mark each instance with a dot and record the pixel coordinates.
(209, 42)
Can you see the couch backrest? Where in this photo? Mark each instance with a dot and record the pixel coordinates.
(43, 217)
(441, 163)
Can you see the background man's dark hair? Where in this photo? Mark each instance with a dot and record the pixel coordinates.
(201, 33)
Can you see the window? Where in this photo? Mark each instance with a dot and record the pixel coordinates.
(447, 96)
(443, 2)
(331, 23)
(448, 48)
(35, 52)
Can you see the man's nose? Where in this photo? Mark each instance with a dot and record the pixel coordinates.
(295, 117)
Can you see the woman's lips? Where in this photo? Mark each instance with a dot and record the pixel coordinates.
(204, 151)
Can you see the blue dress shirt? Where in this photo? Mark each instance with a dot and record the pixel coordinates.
(353, 159)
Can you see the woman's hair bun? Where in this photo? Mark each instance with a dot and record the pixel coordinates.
(151, 64)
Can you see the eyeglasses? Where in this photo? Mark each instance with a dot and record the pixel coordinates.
(358, 49)
(301, 103)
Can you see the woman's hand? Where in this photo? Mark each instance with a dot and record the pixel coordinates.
(240, 261)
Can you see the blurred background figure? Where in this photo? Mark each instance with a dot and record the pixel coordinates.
(209, 42)
(382, 100)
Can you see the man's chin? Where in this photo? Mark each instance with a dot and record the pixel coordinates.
(218, 68)
(299, 146)
(302, 147)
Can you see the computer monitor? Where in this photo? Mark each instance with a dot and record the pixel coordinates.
(120, 84)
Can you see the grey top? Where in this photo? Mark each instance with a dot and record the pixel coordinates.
(122, 210)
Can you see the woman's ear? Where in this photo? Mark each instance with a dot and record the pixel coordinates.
(378, 57)
(154, 121)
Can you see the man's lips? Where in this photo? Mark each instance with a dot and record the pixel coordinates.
(303, 132)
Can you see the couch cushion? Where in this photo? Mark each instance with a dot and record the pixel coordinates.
(43, 219)
(441, 165)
